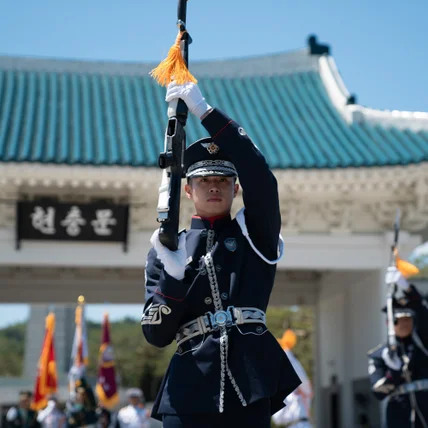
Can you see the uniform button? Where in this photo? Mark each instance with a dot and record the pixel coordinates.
(224, 296)
(203, 271)
(179, 350)
(259, 329)
(204, 233)
(218, 268)
(208, 300)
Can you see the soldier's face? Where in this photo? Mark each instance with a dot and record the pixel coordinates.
(212, 195)
(134, 401)
(403, 327)
(80, 397)
(25, 402)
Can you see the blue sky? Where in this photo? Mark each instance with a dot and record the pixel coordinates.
(379, 46)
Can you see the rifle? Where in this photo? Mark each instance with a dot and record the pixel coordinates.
(171, 160)
(392, 340)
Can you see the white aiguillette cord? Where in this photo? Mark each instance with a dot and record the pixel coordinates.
(240, 218)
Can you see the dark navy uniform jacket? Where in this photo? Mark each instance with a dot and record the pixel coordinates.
(18, 422)
(385, 377)
(257, 362)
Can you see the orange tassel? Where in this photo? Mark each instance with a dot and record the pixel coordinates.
(288, 340)
(407, 269)
(173, 67)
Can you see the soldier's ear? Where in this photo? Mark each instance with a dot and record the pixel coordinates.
(188, 190)
(236, 189)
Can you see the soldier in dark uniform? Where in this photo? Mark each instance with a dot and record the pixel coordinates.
(401, 380)
(82, 412)
(22, 416)
(212, 293)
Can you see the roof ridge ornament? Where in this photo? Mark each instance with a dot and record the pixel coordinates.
(316, 48)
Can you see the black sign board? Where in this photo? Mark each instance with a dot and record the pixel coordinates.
(57, 221)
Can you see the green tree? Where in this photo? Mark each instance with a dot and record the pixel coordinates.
(302, 321)
(12, 340)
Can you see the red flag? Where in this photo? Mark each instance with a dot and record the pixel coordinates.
(46, 380)
(106, 385)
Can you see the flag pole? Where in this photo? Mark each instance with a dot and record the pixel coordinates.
(79, 357)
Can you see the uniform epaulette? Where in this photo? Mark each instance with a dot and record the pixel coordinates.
(375, 349)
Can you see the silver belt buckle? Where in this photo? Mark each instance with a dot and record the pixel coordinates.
(221, 318)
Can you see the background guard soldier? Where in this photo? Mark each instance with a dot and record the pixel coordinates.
(22, 416)
(82, 412)
(401, 381)
(297, 410)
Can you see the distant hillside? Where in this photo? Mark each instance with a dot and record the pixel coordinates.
(12, 340)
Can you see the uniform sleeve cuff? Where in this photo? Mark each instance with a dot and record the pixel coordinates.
(171, 288)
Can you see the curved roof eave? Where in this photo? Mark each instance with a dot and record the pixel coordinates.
(355, 113)
(95, 113)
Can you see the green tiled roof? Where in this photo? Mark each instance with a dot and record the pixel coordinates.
(69, 115)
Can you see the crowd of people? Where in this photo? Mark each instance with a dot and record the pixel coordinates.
(81, 411)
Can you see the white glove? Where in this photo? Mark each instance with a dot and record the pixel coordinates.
(173, 261)
(46, 411)
(393, 363)
(191, 95)
(394, 276)
(11, 414)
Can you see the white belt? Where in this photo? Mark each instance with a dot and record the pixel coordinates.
(407, 388)
(213, 321)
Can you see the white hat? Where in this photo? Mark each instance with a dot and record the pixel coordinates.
(134, 392)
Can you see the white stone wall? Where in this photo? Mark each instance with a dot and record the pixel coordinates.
(303, 251)
(331, 330)
(364, 319)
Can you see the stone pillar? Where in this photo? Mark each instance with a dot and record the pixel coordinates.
(34, 339)
(64, 331)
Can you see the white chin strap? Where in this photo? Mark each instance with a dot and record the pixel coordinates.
(240, 218)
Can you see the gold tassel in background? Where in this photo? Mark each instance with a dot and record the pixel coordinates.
(173, 67)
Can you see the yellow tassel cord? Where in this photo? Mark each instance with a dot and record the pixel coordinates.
(173, 67)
